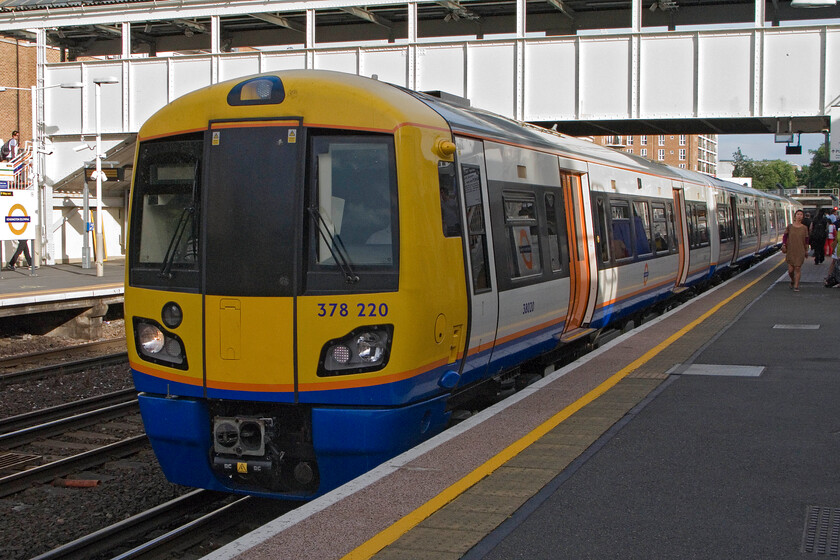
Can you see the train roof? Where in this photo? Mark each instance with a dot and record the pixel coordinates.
(473, 121)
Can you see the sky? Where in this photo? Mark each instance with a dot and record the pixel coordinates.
(762, 146)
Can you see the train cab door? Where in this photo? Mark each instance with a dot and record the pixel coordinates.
(248, 256)
(482, 288)
(583, 266)
(682, 236)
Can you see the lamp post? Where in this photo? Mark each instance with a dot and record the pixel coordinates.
(98, 223)
(37, 149)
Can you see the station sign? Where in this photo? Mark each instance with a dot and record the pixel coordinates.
(108, 174)
(18, 209)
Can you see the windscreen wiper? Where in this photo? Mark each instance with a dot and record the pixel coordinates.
(335, 245)
(186, 218)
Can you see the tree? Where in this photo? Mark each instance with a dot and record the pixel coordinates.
(766, 175)
(821, 174)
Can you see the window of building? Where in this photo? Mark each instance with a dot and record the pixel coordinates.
(682, 139)
(644, 140)
(629, 140)
(660, 155)
(643, 152)
(682, 154)
(682, 166)
(629, 150)
(661, 139)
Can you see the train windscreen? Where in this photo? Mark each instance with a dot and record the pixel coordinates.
(165, 213)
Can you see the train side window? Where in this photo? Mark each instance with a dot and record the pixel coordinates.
(724, 222)
(621, 240)
(553, 233)
(522, 234)
(476, 228)
(661, 239)
(602, 239)
(641, 223)
(672, 227)
(449, 211)
(702, 225)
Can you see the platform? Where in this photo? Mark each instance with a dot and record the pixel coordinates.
(60, 286)
(709, 432)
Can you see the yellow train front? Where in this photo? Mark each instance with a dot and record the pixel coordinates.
(296, 307)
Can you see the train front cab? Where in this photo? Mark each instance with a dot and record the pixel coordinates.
(269, 369)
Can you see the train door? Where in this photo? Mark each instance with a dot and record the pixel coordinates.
(682, 235)
(583, 266)
(484, 295)
(738, 232)
(248, 255)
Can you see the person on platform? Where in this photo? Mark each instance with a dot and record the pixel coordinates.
(23, 247)
(795, 248)
(817, 235)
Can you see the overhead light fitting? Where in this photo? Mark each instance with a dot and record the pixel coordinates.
(812, 3)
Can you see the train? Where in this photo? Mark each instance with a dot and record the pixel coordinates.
(322, 267)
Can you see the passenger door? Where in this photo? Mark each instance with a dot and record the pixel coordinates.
(248, 256)
(682, 235)
(583, 266)
(483, 291)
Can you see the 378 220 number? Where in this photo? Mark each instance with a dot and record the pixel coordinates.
(343, 310)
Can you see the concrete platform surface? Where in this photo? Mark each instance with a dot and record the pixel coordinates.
(625, 453)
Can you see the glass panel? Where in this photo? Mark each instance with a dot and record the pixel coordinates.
(702, 225)
(603, 229)
(166, 185)
(520, 210)
(450, 213)
(471, 176)
(621, 241)
(523, 235)
(553, 237)
(356, 192)
(661, 240)
(166, 209)
(641, 222)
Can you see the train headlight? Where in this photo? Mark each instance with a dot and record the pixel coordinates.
(150, 338)
(370, 347)
(156, 344)
(363, 350)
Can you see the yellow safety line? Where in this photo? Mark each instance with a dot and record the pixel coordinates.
(402, 526)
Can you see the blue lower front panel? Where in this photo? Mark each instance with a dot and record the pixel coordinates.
(347, 441)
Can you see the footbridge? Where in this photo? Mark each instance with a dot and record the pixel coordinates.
(585, 67)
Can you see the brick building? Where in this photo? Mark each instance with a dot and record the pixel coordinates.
(18, 70)
(686, 151)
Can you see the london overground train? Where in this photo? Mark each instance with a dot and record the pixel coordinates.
(322, 267)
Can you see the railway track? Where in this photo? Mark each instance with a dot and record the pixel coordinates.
(38, 417)
(60, 362)
(208, 512)
(22, 480)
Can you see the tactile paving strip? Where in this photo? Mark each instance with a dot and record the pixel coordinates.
(822, 531)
